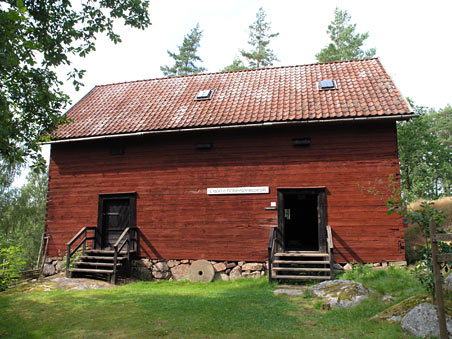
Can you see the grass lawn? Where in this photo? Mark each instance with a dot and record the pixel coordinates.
(240, 309)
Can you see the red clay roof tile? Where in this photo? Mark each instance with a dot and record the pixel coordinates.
(253, 96)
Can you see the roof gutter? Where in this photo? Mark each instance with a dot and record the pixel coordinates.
(276, 123)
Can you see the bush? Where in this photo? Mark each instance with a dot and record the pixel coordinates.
(11, 262)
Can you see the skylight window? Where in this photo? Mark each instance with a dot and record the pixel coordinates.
(327, 84)
(204, 94)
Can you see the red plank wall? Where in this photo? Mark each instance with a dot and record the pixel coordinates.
(179, 220)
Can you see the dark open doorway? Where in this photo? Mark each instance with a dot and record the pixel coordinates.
(301, 218)
(116, 213)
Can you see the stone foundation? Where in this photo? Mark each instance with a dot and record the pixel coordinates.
(52, 265)
(155, 269)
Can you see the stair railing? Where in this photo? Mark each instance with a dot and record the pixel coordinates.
(129, 237)
(330, 249)
(83, 232)
(274, 245)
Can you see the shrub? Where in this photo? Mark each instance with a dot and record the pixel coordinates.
(11, 262)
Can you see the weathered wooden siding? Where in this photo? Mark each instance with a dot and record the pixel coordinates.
(179, 220)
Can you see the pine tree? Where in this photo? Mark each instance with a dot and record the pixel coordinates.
(260, 54)
(186, 58)
(346, 44)
(237, 65)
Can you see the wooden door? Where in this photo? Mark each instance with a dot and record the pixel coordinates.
(116, 213)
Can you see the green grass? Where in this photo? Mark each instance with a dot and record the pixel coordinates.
(240, 309)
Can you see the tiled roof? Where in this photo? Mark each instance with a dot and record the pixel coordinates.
(364, 89)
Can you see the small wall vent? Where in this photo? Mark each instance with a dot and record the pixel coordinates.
(204, 146)
(301, 142)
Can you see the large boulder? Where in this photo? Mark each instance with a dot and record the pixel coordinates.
(396, 312)
(422, 321)
(341, 293)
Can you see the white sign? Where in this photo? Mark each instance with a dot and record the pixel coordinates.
(238, 190)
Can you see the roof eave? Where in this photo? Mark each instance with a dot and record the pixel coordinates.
(270, 123)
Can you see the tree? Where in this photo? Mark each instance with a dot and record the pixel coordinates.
(184, 61)
(23, 218)
(237, 65)
(260, 55)
(346, 44)
(425, 159)
(442, 125)
(37, 37)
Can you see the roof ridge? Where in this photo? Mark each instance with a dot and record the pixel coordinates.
(237, 71)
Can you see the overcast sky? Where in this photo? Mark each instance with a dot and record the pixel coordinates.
(413, 40)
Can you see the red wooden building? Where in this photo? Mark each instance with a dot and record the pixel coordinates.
(206, 165)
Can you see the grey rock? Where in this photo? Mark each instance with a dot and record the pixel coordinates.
(221, 276)
(252, 267)
(387, 298)
(60, 266)
(253, 275)
(241, 263)
(230, 265)
(180, 272)
(146, 262)
(141, 272)
(161, 275)
(236, 273)
(220, 267)
(201, 271)
(48, 269)
(341, 293)
(172, 263)
(287, 291)
(348, 267)
(422, 321)
(160, 267)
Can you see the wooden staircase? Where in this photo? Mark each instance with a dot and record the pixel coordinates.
(299, 265)
(302, 266)
(104, 264)
(99, 264)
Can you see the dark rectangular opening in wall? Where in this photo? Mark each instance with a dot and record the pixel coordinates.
(302, 215)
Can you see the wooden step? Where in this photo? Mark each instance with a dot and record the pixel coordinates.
(89, 257)
(302, 277)
(301, 269)
(107, 252)
(90, 263)
(301, 254)
(90, 270)
(298, 262)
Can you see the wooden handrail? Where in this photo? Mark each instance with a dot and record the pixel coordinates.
(329, 237)
(80, 233)
(117, 247)
(70, 252)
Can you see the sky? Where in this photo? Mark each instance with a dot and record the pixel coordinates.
(412, 38)
(413, 41)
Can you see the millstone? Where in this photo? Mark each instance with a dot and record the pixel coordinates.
(201, 271)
